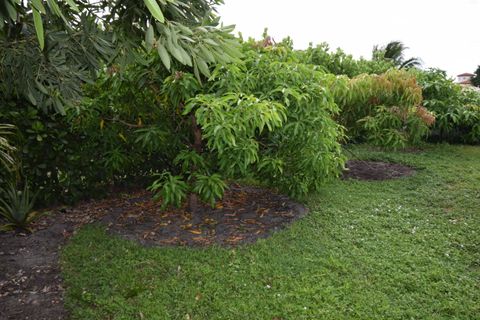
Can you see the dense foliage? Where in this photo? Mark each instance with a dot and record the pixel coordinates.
(100, 142)
(269, 118)
(6, 149)
(112, 92)
(340, 63)
(456, 108)
(385, 109)
(74, 139)
(305, 151)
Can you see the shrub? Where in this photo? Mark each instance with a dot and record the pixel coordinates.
(456, 109)
(340, 63)
(304, 152)
(114, 136)
(385, 109)
(269, 117)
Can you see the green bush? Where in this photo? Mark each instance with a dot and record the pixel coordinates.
(269, 117)
(385, 109)
(457, 109)
(304, 152)
(116, 135)
(340, 63)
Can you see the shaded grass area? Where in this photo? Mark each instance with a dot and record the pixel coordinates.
(399, 249)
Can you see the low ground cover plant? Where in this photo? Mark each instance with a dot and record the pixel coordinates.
(16, 207)
(369, 250)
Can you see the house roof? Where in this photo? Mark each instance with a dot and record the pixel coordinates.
(466, 74)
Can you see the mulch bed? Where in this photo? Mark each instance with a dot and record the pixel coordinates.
(30, 282)
(375, 170)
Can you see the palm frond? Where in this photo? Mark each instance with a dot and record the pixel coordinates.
(6, 149)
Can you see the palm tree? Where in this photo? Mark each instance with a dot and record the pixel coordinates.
(6, 149)
(394, 52)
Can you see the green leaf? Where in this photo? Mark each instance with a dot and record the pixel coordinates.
(210, 41)
(149, 38)
(186, 57)
(56, 9)
(175, 52)
(37, 21)
(72, 5)
(203, 67)
(164, 56)
(155, 10)
(37, 4)
(12, 12)
(41, 87)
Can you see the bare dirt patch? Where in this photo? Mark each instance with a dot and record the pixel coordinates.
(30, 280)
(244, 215)
(375, 170)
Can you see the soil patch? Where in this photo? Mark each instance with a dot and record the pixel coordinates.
(244, 215)
(30, 281)
(375, 170)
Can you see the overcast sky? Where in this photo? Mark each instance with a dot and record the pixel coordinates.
(443, 33)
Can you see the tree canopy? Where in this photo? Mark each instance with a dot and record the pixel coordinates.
(76, 37)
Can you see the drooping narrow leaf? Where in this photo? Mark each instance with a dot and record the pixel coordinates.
(206, 54)
(56, 9)
(164, 56)
(72, 5)
(37, 4)
(186, 57)
(155, 10)
(11, 10)
(203, 67)
(37, 21)
(149, 38)
(174, 51)
(41, 87)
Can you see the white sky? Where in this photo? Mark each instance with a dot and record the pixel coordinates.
(443, 33)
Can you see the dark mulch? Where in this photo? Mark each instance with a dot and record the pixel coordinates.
(30, 282)
(244, 215)
(375, 170)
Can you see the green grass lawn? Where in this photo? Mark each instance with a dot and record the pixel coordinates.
(398, 249)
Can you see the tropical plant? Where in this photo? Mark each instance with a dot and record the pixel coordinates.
(17, 208)
(385, 109)
(52, 51)
(457, 109)
(6, 149)
(269, 117)
(394, 51)
(229, 124)
(75, 43)
(303, 153)
(340, 63)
